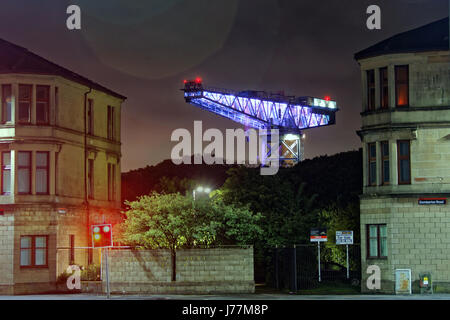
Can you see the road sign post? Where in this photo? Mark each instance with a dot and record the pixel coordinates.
(318, 235)
(108, 291)
(345, 237)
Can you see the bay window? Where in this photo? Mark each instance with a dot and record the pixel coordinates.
(25, 94)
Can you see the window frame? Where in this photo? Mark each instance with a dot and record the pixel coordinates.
(3, 169)
(71, 249)
(370, 86)
(19, 101)
(378, 237)
(47, 168)
(397, 83)
(111, 124)
(383, 159)
(25, 167)
(4, 103)
(111, 182)
(371, 160)
(400, 157)
(33, 248)
(90, 117)
(384, 88)
(90, 178)
(47, 108)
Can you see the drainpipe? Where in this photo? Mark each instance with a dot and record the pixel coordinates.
(86, 200)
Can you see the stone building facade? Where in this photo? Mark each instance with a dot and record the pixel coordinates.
(60, 168)
(405, 134)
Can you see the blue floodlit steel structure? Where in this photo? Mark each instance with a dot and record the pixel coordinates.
(262, 110)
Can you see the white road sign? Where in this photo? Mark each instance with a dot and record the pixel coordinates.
(344, 237)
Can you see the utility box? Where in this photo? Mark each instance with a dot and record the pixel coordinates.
(425, 283)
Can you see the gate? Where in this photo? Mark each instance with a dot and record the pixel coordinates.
(296, 268)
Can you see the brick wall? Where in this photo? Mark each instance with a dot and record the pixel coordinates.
(200, 271)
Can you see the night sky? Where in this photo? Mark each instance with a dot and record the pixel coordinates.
(144, 50)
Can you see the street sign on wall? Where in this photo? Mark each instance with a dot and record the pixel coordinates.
(344, 237)
(318, 235)
(428, 201)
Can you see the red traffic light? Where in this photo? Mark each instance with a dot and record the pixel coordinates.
(101, 235)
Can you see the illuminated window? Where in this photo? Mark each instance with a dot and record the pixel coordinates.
(6, 103)
(25, 92)
(404, 162)
(372, 156)
(24, 172)
(370, 89)
(385, 162)
(42, 104)
(33, 251)
(6, 172)
(42, 172)
(384, 92)
(401, 86)
(376, 241)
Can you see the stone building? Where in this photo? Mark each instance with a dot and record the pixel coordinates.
(60, 168)
(405, 134)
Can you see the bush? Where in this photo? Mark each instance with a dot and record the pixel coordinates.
(91, 273)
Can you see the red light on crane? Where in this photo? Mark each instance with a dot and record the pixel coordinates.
(198, 80)
(184, 81)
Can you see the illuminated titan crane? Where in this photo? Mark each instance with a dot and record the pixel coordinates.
(261, 110)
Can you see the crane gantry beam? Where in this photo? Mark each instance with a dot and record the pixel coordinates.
(262, 110)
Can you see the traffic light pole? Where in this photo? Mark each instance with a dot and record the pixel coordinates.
(108, 293)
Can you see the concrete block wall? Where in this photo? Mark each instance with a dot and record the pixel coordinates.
(216, 270)
(418, 239)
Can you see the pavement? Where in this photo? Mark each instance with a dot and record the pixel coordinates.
(229, 297)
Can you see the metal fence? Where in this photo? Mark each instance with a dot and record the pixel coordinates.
(295, 268)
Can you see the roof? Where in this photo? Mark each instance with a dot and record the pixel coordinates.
(16, 59)
(430, 37)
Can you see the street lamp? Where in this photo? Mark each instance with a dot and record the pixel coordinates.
(201, 189)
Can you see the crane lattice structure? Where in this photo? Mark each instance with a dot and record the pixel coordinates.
(262, 110)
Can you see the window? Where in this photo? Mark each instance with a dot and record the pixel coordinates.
(370, 89)
(6, 172)
(384, 92)
(25, 92)
(110, 123)
(6, 103)
(42, 172)
(33, 251)
(72, 249)
(24, 172)
(90, 173)
(376, 241)
(404, 163)
(385, 162)
(111, 181)
(90, 117)
(372, 153)
(401, 86)
(42, 104)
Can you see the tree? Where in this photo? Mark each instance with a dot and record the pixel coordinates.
(174, 220)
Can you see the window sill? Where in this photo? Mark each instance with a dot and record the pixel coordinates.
(34, 267)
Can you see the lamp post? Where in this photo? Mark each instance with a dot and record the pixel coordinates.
(201, 189)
